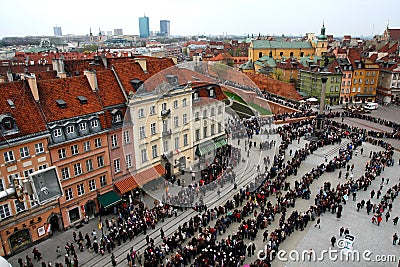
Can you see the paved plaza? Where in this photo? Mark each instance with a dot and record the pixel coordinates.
(368, 236)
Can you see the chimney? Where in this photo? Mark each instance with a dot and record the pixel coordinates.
(92, 78)
(104, 59)
(31, 79)
(142, 63)
(10, 76)
(58, 65)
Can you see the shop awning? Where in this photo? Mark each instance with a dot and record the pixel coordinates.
(220, 142)
(126, 185)
(150, 174)
(205, 147)
(109, 199)
(365, 95)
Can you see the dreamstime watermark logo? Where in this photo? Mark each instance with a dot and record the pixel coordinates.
(342, 254)
(183, 124)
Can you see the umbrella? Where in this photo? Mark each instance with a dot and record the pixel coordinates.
(302, 101)
(312, 99)
(346, 197)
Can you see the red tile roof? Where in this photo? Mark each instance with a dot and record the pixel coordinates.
(108, 89)
(394, 34)
(67, 89)
(149, 174)
(26, 113)
(274, 86)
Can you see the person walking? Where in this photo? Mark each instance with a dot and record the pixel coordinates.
(395, 238)
(333, 241)
(318, 224)
(113, 261)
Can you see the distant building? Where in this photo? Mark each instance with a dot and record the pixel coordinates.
(118, 32)
(144, 30)
(165, 27)
(57, 31)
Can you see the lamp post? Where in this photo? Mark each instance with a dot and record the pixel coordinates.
(321, 114)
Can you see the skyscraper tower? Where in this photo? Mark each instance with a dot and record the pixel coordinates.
(144, 30)
(57, 31)
(164, 28)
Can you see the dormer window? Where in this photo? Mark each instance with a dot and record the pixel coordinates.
(61, 103)
(82, 99)
(94, 123)
(211, 92)
(116, 116)
(57, 132)
(8, 123)
(70, 129)
(82, 126)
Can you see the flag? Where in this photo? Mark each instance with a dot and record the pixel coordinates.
(48, 228)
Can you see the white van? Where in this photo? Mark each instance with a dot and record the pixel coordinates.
(371, 106)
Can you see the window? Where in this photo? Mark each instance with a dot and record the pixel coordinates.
(128, 160)
(62, 153)
(127, 137)
(184, 119)
(372, 81)
(360, 81)
(204, 131)
(367, 73)
(331, 89)
(65, 173)
(9, 156)
(97, 142)
(86, 146)
(336, 88)
(152, 110)
(117, 165)
(57, 132)
(359, 89)
(370, 89)
(19, 206)
(142, 132)
(355, 81)
(185, 140)
(349, 75)
(114, 141)
(74, 150)
(70, 129)
(154, 151)
(82, 126)
(219, 128)
(94, 123)
(365, 89)
(24, 152)
(175, 103)
(42, 167)
(165, 126)
(39, 148)
(211, 93)
(103, 180)
(89, 165)
(195, 96)
(27, 172)
(204, 114)
(1, 185)
(11, 177)
(176, 121)
(219, 109)
(33, 201)
(373, 73)
(77, 169)
(153, 128)
(81, 189)
(197, 134)
(212, 129)
(354, 90)
(164, 106)
(143, 153)
(5, 211)
(176, 142)
(100, 161)
(184, 102)
(165, 145)
(197, 116)
(117, 117)
(92, 185)
(212, 111)
(141, 113)
(69, 194)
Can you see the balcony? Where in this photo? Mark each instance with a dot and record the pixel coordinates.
(165, 113)
(167, 133)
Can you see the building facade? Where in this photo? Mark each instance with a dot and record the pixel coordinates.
(165, 28)
(144, 28)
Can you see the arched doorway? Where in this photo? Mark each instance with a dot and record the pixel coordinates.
(55, 222)
(90, 209)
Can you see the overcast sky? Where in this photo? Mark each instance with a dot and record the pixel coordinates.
(215, 17)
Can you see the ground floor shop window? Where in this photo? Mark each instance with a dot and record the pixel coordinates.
(20, 239)
(74, 215)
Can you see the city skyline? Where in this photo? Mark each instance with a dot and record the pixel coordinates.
(356, 18)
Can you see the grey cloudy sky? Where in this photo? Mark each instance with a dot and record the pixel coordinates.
(354, 17)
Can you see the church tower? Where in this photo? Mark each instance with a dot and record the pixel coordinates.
(322, 42)
(91, 37)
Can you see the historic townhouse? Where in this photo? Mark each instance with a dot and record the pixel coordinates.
(78, 145)
(23, 150)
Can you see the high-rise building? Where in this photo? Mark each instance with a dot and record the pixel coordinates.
(57, 31)
(164, 27)
(144, 30)
(118, 32)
